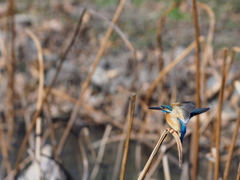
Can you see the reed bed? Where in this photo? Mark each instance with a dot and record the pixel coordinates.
(85, 86)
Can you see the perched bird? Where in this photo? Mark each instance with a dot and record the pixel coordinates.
(178, 115)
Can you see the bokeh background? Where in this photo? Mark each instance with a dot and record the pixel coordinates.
(67, 75)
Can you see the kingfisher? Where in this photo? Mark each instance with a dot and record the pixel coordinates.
(178, 114)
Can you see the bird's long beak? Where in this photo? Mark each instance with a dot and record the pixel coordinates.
(155, 108)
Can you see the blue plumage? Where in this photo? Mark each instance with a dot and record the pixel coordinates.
(178, 115)
(198, 111)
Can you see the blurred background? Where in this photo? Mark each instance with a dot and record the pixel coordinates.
(67, 75)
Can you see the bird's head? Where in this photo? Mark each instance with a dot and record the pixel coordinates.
(163, 108)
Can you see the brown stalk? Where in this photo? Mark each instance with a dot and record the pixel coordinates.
(36, 114)
(87, 81)
(126, 146)
(38, 147)
(101, 152)
(198, 102)
(10, 65)
(155, 150)
(85, 162)
(228, 66)
(208, 50)
(168, 68)
(158, 160)
(238, 173)
(159, 32)
(219, 118)
(231, 149)
(179, 146)
(120, 150)
(154, 153)
(4, 149)
(22, 165)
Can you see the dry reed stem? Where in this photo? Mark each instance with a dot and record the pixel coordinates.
(153, 168)
(120, 151)
(238, 173)
(22, 165)
(168, 68)
(154, 153)
(231, 149)
(159, 32)
(85, 162)
(10, 66)
(158, 160)
(4, 149)
(208, 50)
(38, 147)
(101, 152)
(36, 114)
(126, 146)
(194, 154)
(155, 150)
(218, 119)
(228, 66)
(179, 146)
(87, 81)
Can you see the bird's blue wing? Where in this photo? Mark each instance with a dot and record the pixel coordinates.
(187, 108)
(183, 129)
(198, 111)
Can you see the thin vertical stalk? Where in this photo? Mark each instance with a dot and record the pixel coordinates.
(231, 149)
(238, 173)
(10, 64)
(38, 147)
(196, 130)
(4, 149)
(120, 151)
(126, 146)
(85, 162)
(219, 118)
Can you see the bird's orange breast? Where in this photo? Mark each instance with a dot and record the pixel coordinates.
(173, 121)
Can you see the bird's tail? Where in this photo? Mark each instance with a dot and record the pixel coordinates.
(198, 111)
